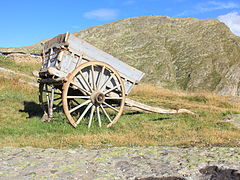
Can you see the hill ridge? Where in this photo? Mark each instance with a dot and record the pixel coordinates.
(188, 53)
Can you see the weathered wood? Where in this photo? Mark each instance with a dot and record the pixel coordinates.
(51, 81)
(137, 106)
(93, 79)
(67, 52)
(56, 72)
(96, 94)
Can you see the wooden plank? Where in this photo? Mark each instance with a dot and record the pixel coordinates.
(86, 52)
(137, 106)
(82, 47)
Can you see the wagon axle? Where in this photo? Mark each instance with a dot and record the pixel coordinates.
(97, 98)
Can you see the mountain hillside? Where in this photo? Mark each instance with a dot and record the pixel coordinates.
(194, 54)
(35, 48)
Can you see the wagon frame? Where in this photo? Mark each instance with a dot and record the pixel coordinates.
(87, 83)
(78, 77)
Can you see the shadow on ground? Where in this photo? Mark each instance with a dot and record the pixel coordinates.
(207, 173)
(161, 119)
(133, 113)
(32, 108)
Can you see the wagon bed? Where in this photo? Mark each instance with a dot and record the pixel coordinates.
(88, 83)
(78, 52)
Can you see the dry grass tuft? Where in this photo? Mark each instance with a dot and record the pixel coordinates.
(183, 99)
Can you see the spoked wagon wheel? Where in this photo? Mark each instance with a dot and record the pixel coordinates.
(50, 99)
(94, 93)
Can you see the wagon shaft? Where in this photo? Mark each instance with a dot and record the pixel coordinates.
(137, 106)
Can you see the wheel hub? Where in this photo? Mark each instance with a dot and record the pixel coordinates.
(97, 97)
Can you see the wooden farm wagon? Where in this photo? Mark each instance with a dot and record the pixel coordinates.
(89, 84)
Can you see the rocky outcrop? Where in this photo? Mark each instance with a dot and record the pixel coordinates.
(155, 163)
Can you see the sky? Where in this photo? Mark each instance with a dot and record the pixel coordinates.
(25, 22)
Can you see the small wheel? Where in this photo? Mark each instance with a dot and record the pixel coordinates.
(94, 92)
(46, 94)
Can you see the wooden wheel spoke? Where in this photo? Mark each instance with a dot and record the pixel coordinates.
(106, 114)
(110, 90)
(99, 118)
(57, 98)
(50, 98)
(86, 82)
(59, 103)
(81, 83)
(47, 95)
(51, 92)
(79, 106)
(114, 98)
(78, 97)
(84, 113)
(93, 78)
(47, 98)
(100, 77)
(108, 105)
(86, 87)
(83, 90)
(104, 85)
(75, 101)
(91, 116)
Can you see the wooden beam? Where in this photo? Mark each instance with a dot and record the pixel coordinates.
(137, 106)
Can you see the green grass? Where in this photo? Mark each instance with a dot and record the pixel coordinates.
(133, 129)
(20, 120)
(197, 98)
(26, 67)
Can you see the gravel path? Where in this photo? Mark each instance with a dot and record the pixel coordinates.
(113, 163)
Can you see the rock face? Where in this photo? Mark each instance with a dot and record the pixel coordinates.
(133, 163)
(183, 53)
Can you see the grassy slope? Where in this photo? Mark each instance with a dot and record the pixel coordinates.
(26, 67)
(19, 100)
(174, 52)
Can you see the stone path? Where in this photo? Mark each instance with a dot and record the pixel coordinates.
(113, 163)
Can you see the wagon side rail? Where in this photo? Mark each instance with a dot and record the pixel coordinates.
(77, 51)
